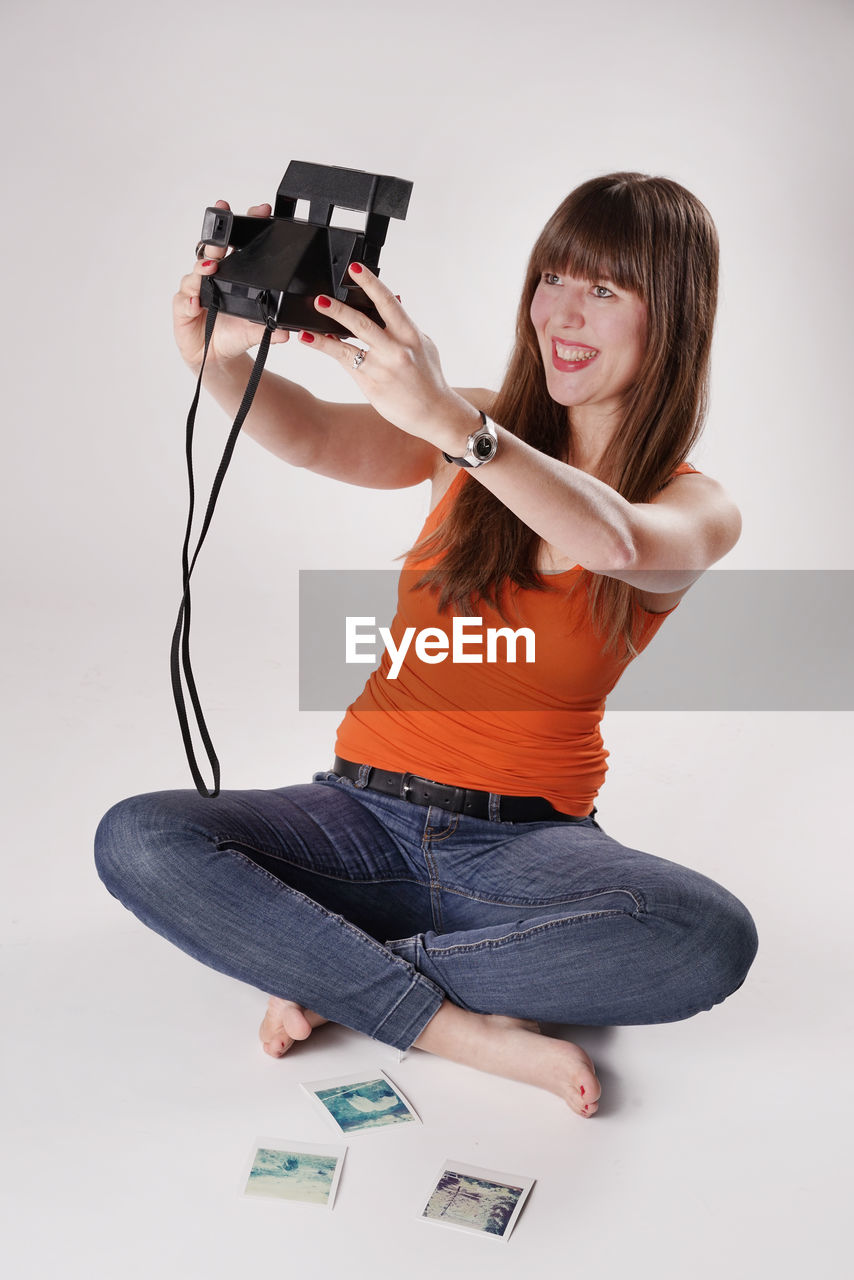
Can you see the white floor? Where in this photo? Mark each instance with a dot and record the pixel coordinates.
(134, 1085)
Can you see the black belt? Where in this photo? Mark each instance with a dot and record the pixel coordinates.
(408, 786)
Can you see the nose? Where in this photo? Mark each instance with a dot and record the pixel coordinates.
(571, 309)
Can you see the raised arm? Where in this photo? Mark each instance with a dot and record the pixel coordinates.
(661, 546)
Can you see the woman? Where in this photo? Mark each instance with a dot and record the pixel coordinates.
(446, 884)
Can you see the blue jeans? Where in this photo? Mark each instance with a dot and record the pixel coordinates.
(371, 910)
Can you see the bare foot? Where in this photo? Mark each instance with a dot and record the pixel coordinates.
(285, 1022)
(514, 1049)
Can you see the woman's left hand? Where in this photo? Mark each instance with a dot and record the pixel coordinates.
(400, 373)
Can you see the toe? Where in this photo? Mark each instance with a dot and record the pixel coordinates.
(588, 1093)
(589, 1088)
(275, 1040)
(274, 1037)
(295, 1023)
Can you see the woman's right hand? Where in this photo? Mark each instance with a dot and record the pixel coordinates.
(232, 335)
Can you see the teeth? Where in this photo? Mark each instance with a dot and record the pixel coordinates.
(573, 354)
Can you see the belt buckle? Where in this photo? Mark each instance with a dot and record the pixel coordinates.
(441, 794)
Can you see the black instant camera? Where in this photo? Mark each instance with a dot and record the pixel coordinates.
(279, 265)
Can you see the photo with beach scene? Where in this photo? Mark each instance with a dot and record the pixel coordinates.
(293, 1171)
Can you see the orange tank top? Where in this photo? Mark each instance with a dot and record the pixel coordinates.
(484, 721)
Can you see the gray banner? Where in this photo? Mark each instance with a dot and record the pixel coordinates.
(741, 640)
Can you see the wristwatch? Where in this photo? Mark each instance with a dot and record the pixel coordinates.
(481, 446)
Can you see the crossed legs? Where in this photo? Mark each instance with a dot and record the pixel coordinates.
(299, 890)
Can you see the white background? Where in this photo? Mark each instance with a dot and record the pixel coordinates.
(133, 1084)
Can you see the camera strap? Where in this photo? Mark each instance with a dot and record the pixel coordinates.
(180, 653)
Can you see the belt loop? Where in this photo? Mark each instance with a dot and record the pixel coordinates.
(494, 807)
(365, 771)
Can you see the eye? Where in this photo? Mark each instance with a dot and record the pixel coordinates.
(550, 277)
(602, 291)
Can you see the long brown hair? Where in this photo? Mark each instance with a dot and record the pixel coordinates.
(653, 237)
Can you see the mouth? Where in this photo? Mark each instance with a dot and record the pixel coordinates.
(568, 357)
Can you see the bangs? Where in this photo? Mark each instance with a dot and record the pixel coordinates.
(598, 234)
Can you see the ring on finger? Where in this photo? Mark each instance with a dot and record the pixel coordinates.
(359, 358)
(201, 249)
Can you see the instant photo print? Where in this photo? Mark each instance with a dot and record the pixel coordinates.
(361, 1103)
(279, 265)
(296, 1172)
(481, 1201)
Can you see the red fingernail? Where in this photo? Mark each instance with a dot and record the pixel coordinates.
(355, 268)
(323, 301)
(581, 1090)
(208, 262)
(306, 337)
(587, 1106)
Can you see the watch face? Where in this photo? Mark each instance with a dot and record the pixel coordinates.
(484, 447)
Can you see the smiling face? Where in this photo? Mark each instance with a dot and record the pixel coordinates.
(592, 337)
